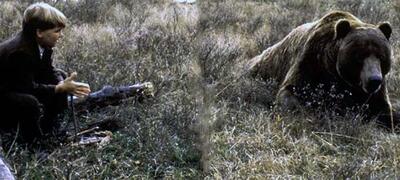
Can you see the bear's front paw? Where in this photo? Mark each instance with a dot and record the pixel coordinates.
(286, 101)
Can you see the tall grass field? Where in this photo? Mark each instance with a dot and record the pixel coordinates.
(207, 120)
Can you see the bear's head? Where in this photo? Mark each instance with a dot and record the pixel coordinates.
(364, 54)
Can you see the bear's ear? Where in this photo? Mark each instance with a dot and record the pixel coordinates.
(342, 28)
(386, 29)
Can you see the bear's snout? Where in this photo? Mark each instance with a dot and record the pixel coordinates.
(371, 75)
(374, 84)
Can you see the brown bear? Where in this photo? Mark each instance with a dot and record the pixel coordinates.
(336, 61)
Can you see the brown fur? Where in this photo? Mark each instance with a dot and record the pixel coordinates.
(318, 55)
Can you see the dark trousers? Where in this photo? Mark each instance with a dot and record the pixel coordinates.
(35, 116)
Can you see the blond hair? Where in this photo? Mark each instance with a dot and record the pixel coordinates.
(42, 16)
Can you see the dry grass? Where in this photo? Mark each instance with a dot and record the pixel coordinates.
(207, 120)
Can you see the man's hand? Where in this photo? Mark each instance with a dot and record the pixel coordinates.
(78, 89)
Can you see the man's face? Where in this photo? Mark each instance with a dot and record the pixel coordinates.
(49, 37)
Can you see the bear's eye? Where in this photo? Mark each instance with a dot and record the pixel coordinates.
(382, 57)
(359, 57)
(385, 63)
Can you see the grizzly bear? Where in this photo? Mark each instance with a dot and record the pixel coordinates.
(337, 61)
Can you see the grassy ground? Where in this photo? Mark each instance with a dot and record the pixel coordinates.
(206, 121)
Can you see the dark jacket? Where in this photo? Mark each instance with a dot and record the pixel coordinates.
(22, 70)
